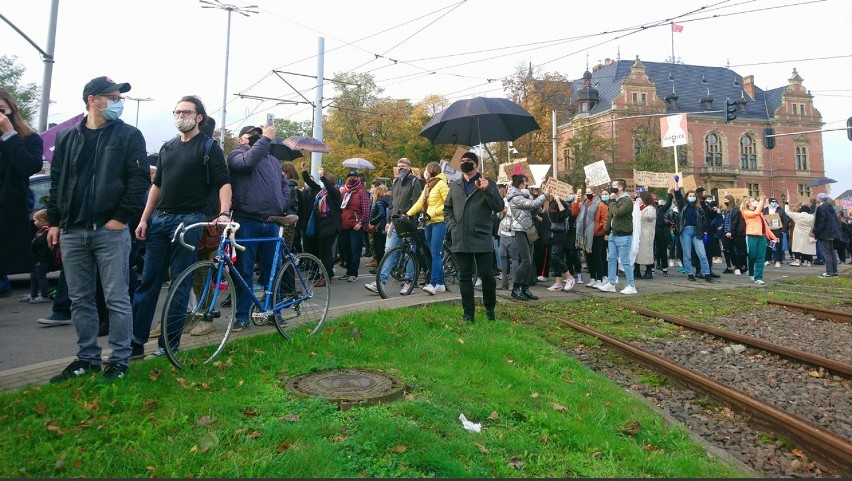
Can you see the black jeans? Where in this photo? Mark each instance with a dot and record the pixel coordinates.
(661, 248)
(596, 260)
(468, 263)
(558, 265)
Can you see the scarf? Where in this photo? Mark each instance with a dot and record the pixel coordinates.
(432, 182)
(348, 189)
(586, 224)
(322, 200)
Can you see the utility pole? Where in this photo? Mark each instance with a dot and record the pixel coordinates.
(138, 100)
(47, 57)
(316, 157)
(244, 11)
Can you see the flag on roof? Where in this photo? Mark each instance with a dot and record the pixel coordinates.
(677, 28)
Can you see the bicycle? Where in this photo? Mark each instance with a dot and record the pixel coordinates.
(411, 260)
(296, 295)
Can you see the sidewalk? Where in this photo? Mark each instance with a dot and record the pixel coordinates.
(348, 297)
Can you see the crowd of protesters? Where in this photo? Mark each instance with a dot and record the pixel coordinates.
(109, 200)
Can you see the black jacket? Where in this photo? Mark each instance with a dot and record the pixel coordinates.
(468, 217)
(826, 225)
(19, 159)
(121, 174)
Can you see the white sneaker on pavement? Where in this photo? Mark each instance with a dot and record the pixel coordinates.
(579, 278)
(371, 287)
(738, 272)
(542, 279)
(592, 283)
(607, 287)
(629, 290)
(777, 264)
(569, 283)
(430, 289)
(405, 288)
(556, 287)
(440, 288)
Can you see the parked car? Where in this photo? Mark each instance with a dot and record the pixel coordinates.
(40, 187)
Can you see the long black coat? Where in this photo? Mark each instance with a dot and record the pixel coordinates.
(468, 218)
(19, 159)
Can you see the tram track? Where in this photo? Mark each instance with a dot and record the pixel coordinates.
(818, 312)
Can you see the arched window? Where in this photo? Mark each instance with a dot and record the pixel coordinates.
(713, 149)
(638, 145)
(748, 153)
(801, 157)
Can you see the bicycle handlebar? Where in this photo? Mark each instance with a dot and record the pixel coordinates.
(231, 228)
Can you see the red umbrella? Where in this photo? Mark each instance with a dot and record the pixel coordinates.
(308, 144)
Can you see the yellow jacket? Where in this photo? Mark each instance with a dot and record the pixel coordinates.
(437, 196)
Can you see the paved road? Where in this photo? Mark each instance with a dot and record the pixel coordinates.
(31, 353)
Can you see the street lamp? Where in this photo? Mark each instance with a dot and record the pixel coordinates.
(244, 11)
(138, 101)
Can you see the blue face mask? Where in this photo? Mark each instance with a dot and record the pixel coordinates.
(605, 198)
(571, 198)
(691, 199)
(113, 110)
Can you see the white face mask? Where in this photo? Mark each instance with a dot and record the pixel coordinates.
(185, 124)
(754, 204)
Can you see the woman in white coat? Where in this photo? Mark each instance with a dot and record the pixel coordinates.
(648, 222)
(802, 247)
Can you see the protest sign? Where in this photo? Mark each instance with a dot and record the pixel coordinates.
(688, 183)
(738, 193)
(519, 167)
(450, 173)
(597, 174)
(673, 130)
(773, 220)
(653, 179)
(455, 162)
(556, 188)
(847, 203)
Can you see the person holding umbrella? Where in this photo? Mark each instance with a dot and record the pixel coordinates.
(467, 213)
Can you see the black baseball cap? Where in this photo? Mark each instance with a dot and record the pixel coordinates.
(250, 128)
(100, 85)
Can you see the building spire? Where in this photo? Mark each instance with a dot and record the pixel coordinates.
(618, 54)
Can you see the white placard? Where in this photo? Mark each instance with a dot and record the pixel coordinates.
(597, 174)
(673, 130)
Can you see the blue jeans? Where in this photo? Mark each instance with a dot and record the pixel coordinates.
(393, 241)
(435, 234)
(163, 256)
(85, 253)
(688, 241)
(250, 228)
(619, 248)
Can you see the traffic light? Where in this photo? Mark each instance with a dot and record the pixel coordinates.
(730, 111)
(769, 138)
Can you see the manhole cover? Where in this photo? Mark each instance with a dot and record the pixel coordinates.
(348, 387)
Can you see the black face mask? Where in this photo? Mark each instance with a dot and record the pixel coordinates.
(253, 139)
(590, 196)
(613, 190)
(467, 167)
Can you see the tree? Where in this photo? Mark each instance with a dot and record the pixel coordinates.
(584, 148)
(26, 95)
(289, 128)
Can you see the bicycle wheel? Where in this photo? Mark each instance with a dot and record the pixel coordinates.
(403, 265)
(196, 329)
(451, 267)
(307, 283)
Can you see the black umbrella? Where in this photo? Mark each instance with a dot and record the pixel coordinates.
(479, 120)
(821, 181)
(282, 152)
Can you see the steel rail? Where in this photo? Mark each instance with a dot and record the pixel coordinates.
(816, 360)
(818, 312)
(825, 446)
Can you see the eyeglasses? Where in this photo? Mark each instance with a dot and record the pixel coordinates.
(114, 98)
(183, 113)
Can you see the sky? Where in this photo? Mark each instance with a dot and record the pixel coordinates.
(456, 48)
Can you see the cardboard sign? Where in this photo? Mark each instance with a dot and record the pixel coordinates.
(738, 193)
(774, 220)
(450, 173)
(653, 179)
(847, 203)
(519, 167)
(455, 162)
(556, 188)
(688, 183)
(597, 174)
(673, 130)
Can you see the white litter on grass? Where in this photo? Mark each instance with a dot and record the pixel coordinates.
(472, 427)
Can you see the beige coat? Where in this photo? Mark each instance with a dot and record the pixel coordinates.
(648, 218)
(804, 224)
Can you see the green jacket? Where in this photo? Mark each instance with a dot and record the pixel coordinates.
(620, 216)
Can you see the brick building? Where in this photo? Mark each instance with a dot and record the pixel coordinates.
(623, 101)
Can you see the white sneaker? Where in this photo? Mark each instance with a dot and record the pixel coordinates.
(430, 289)
(795, 263)
(738, 272)
(569, 283)
(579, 278)
(592, 283)
(405, 288)
(556, 287)
(766, 263)
(629, 290)
(607, 287)
(671, 262)
(542, 279)
(40, 300)
(603, 280)
(371, 287)
(440, 288)
(751, 277)
(478, 282)
(777, 264)
(160, 352)
(759, 282)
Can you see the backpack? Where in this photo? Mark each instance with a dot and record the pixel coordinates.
(212, 207)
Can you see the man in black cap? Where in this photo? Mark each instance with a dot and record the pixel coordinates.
(467, 212)
(98, 177)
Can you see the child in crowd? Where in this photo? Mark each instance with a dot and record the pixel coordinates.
(43, 260)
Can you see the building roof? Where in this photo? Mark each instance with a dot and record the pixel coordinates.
(691, 83)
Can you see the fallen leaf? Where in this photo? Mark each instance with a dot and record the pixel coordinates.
(289, 417)
(154, 374)
(544, 439)
(249, 412)
(630, 429)
(53, 427)
(596, 455)
(798, 452)
(338, 439)
(254, 435)
(408, 397)
(494, 416)
(461, 341)
(193, 449)
(282, 447)
(149, 404)
(239, 384)
(60, 463)
(813, 374)
(206, 420)
(482, 449)
(153, 471)
(41, 409)
(516, 462)
(399, 449)
(559, 407)
(205, 386)
(91, 405)
(534, 395)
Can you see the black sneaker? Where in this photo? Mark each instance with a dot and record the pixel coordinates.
(489, 314)
(137, 351)
(691, 277)
(467, 319)
(75, 369)
(115, 370)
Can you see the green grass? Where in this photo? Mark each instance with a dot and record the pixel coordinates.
(543, 414)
